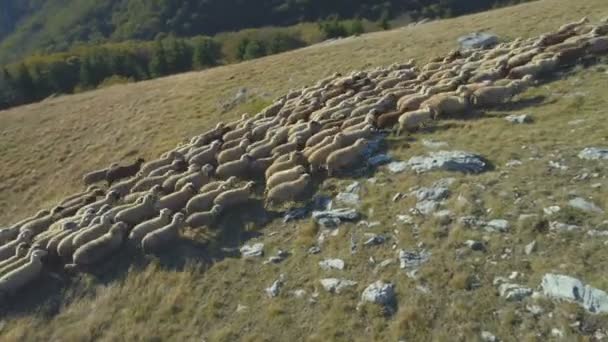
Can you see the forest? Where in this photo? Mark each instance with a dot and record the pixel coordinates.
(52, 47)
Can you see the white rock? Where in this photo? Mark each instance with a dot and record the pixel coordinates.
(335, 285)
(530, 248)
(380, 293)
(514, 292)
(460, 161)
(519, 119)
(563, 227)
(329, 264)
(487, 336)
(552, 210)
(353, 188)
(405, 219)
(594, 153)
(299, 293)
(535, 309)
(498, 225)
(241, 308)
(557, 333)
(571, 289)
(513, 163)
(348, 198)
(584, 205)
(275, 288)
(413, 259)
(427, 207)
(397, 167)
(433, 144)
(256, 250)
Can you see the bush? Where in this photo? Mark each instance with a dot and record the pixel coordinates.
(356, 28)
(333, 28)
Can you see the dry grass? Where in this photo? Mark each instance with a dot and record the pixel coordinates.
(55, 142)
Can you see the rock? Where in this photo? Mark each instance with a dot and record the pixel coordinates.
(295, 214)
(413, 259)
(475, 245)
(405, 219)
(513, 163)
(557, 165)
(514, 292)
(535, 309)
(256, 250)
(597, 233)
(552, 210)
(397, 197)
(379, 159)
(397, 167)
(374, 240)
(530, 248)
(459, 161)
(563, 227)
(329, 264)
(299, 293)
(582, 204)
(427, 207)
(487, 336)
(498, 225)
(379, 293)
(433, 144)
(432, 193)
(314, 250)
(353, 188)
(570, 289)
(334, 285)
(557, 333)
(594, 153)
(275, 288)
(519, 119)
(471, 221)
(281, 255)
(333, 218)
(241, 308)
(477, 40)
(348, 198)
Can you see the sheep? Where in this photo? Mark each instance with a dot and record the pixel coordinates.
(120, 172)
(280, 164)
(489, 75)
(318, 137)
(140, 230)
(522, 58)
(205, 218)
(204, 201)
(259, 166)
(598, 45)
(345, 157)
(168, 185)
(11, 232)
(97, 175)
(233, 153)
(411, 102)
(149, 182)
(370, 120)
(156, 240)
(318, 157)
(206, 155)
(305, 131)
(178, 200)
(288, 191)
(571, 56)
(412, 120)
(233, 197)
(443, 104)
(20, 252)
(39, 225)
(571, 26)
(8, 249)
(213, 134)
(156, 190)
(294, 145)
(166, 159)
(237, 123)
(139, 212)
(260, 131)
(96, 250)
(230, 182)
(272, 109)
(237, 133)
(534, 68)
(492, 95)
(264, 150)
(349, 138)
(197, 179)
(124, 187)
(178, 165)
(19, 277)
(53, 243)
(553, 38)
(237, 168)
(77, 198)
(283, 176)
(111, 198)
(92, 233)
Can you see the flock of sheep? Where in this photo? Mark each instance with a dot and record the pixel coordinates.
(322, 127)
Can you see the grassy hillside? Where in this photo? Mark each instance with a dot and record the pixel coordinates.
(46, 147)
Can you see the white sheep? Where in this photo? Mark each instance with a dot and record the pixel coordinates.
(156, 240)
(345, 157)
(23, 275)
(20, 252)
(283, 176)
(318, 137)
(237, 168)
(124, 187)
(234, 153)
(442, 104)
(111, 198)
(230, 182)
(411, 102)
(237, 133)
(197, 179)
(139, 231)
(318, 157)
(149, 182)
(206, 155)
(139, 212)
(97, 176)
(204, 201)
(288, 191)
(176, 165)
(178, 200)
(205, 218)
(91, 233)
(39, 225)
(11, 232)
(100, 248)
(412, 120)
(349, 137)
(163, 161)
(234, 197)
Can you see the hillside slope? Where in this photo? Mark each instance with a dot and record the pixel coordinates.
(46, 147)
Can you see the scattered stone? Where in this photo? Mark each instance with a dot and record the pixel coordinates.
(397, 167)
(332, 218)
(433, 144)
(519, 119)
(397, 197)
(475, 245)
(431, 193)
(426, 207)
(405, 219)
(241, 308)
(567, 288)
(299, 293)
(487, 336)
(557, 165)
(530, 248)
(379, 159)
(557, 333)
(597, 233)
(535, 309)
(281, 255)
(459, 161)
(514, 292)
(275, 288)
(471, 221)
(584, 205)
(384, 264)
(256, 250)
(552, 210)
(594, 153)
(374, 240)
(498, 225)
(563, 227)
(477, 40)
(379, 293)
(353, 188)
(413, 259)
(295, 214)
(348, 198)
(334, 285)
(513, 163)
(314, 250)
(329, 264)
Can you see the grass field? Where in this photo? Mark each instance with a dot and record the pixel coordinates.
(46, 147)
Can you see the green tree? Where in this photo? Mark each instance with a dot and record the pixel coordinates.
(158, 62)
(333, 28)
(356, 28)
(255, 49)
(282, 42)
(206, 53)
(384, 22)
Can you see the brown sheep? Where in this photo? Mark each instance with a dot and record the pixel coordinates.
(121, 172)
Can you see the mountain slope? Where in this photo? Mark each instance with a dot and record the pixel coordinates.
(44, 148)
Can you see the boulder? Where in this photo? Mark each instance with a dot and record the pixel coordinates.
(498, 225)
(348, 198)
(514, 292)
(594, 153)
(458, 161)
(570, 289)
(379, 159)
(275, 288)
(256, 250)
(379, 293)
(477, 40)
(333, 218)
(413, 259)
(397, 167)
(329, 264)
(584, 205)
(334, 285)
